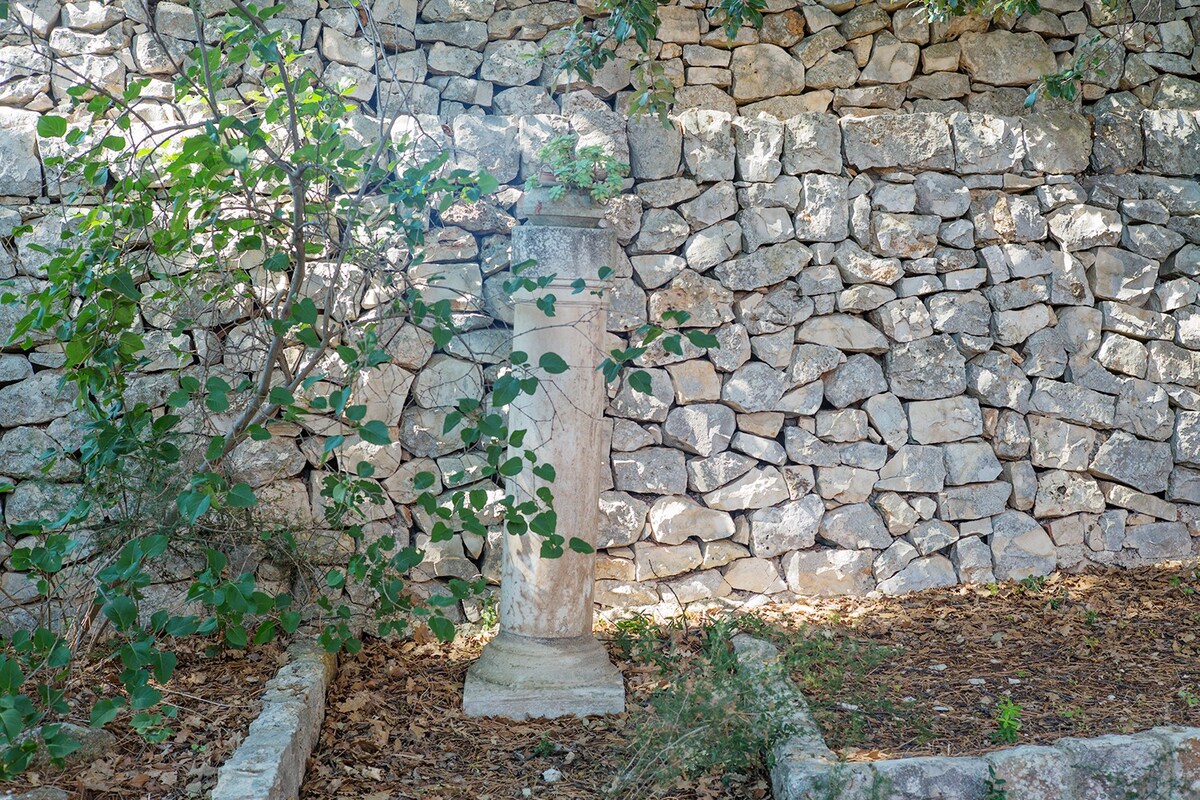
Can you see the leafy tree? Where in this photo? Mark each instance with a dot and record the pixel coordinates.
(268, 213)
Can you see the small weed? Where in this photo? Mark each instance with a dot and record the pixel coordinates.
(1186, 586)
(639, 639)
(995, 786)
(1057, 603)
(489, 615)
(1033, 584)
(545, 747)
(1189, 697)
(1008, 722)
(705, 716)
(831, 668)
(1091, 617)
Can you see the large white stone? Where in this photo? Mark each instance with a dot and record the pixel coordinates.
(949, 420)
(1020, 547)
(829, 573)
(20, 170)
(676, 518)
(789, 526)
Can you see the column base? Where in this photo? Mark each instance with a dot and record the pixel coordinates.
(518, 677)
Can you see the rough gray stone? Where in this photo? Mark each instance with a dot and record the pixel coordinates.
(930, 572)
(1159, 541)
(1002, 58)
(622, 519)
(703, 429)
(1062, 493)
(674, 519)
(984, 143)
(20, 169)
(285, 731)
(1057, 141)
(970, 462)
(926, 369)
(857, 379)
(765, 70)
(914, 468)
(855, 527)
(843, 332)
(754, 387)
(948, 420)
(758, 488)
(907, 141)
(932, 535)
(708, 147)
(662, 561)
(1143, 465)
(812, 143)
(35, 400)
(1020, 547)
(823, 214)
(707, 474)
(973, 501)
(829, 573)
(1081, 227)
(651, 470)
(973, 560)
(898, 556)
(996, 381)
(787, 527)
(766, 267)
(755, 575)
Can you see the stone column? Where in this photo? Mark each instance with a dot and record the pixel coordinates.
(545, 662)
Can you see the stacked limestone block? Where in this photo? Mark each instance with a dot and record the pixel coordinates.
(960, 339)
(947, 356)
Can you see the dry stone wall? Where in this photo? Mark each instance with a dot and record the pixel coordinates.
(960, 338)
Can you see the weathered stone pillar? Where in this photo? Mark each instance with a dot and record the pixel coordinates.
(545, 661)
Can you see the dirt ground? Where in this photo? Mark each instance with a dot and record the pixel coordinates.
(395, 729)
(217, 696)
(1081, 655)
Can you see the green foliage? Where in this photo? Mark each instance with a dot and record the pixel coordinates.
(590, 44)
(1008, 721)
(831, 669)
(1034, 584)
(565, 165)
(645, 335)
(942, 10)
(1188, 586)
(995, 786)
(706, 716)
(272, 209)
(545, 747)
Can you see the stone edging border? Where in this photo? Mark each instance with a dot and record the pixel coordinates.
(1158, 764)
(269, 764)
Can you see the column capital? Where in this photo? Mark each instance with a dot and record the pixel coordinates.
(567, 253)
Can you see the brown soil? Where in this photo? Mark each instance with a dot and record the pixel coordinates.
(1082, 655)
(218, 696)
(395, 729)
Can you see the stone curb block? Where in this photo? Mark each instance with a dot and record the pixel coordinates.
(1158, 764)
(269, 764)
